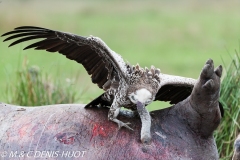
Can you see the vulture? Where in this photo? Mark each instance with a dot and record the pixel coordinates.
(124, 85)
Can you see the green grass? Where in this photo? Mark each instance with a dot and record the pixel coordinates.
(32, 88)
(177, 37)
(230, 124)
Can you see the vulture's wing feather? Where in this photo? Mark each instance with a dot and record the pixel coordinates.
(175, 89)
(172, 93)
(96, 57)
(99, 101)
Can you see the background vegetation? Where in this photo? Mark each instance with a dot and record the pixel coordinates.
(230, 125)
(33, 88)
(175, 36)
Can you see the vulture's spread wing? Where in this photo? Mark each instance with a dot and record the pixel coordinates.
(175, 89)
(96, 57)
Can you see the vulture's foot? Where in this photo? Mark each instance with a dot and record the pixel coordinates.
(121, 124)
(112, 115)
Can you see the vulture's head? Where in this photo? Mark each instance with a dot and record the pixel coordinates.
(141, 97)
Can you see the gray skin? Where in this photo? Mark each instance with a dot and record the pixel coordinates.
(236, 154)
(183, 131)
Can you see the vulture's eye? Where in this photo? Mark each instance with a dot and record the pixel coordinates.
(133, 98)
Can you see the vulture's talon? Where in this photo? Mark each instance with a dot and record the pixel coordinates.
(122, 124)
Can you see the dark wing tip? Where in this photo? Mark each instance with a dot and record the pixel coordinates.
(25, 29)
(26, 39)
(28, 27)
(5, 34)
(78, 48)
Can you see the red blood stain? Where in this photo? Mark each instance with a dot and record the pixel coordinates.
(98, 130)
(94, 132)
(102, 132)
(64, 138)
(23, 131)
